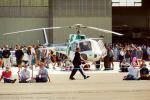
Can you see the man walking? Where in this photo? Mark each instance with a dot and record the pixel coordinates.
(77, 65)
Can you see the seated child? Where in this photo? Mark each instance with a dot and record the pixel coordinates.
(6, 76)
(144, 73)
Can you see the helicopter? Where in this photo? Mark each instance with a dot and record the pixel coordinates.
(91, 49)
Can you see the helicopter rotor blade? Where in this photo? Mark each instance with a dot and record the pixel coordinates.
(55, 27)
(38, 29)
(23, 31)
(104, 30)
(78, 26)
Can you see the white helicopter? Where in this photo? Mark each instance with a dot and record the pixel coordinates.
(92, 49)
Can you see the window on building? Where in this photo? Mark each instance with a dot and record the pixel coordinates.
(124, 3)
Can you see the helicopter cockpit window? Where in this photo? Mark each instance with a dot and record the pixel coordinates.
(82, 37)
(85, 46)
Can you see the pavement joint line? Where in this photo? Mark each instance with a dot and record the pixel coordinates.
(71, 92)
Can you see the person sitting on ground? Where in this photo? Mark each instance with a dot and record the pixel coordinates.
(144, 72)
(133, 71)
(124, 66)
(6, 76)
(42, 74)
(24, 75)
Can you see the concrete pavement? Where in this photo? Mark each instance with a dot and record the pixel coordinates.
(100, 86)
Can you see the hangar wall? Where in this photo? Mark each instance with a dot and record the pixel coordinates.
(61, 35)
(96, 13)
(18, 15)
(17, 24)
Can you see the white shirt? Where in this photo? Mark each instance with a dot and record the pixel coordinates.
(43, 72)
(32, 51)
(133, 71)
(122, 53)
(24, 74)
(25, 57)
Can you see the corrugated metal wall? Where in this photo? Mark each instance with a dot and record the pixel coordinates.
(18, 15)
(24, 8)
(88, 12)
(26, 14)
(86, 8)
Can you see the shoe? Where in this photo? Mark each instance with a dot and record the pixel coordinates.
(47, 67)
(72, 78)
(14, 81)
(86, 77)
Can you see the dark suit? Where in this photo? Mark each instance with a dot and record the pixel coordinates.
(77, 65)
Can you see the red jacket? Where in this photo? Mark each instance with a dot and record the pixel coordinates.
(6, 74)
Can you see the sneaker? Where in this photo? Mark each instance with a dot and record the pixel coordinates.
(86, 77)
(14, 81)
(72, 78)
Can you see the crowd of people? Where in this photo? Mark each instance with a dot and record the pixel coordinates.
(28, 56)
(132, 59)
(136, 71)
(31, 55)
(37, 56)
(125, 53)
(130, 56)
(128, 51)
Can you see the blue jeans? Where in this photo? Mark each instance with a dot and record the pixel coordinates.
(41, 79)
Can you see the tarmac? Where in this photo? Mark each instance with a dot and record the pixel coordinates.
(102, 85)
